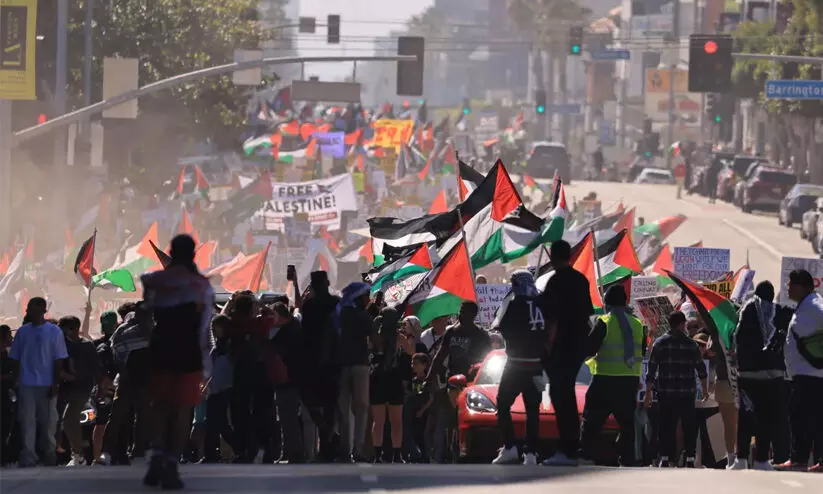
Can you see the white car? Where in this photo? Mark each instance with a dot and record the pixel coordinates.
(657, 176)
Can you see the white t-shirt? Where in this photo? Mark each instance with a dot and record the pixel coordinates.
(807, 320)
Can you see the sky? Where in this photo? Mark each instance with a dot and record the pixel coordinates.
(361, 20)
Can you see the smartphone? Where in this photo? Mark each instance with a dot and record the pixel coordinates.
(291, 273)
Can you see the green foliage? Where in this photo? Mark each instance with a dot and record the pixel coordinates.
(172, 37)
(547, 20)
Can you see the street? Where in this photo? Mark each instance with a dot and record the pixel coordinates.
(456, 479)
(719, 225)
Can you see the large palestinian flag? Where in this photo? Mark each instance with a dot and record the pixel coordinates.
(418, 262)
(718, 313)
(445, 287)
(247, 201)
(467, 180)
(136, 260)
(84, 262)
(617, 259)
(662, 228)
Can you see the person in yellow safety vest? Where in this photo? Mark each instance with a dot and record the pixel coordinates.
(617, 346)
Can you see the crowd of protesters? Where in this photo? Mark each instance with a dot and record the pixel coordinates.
(347, 379)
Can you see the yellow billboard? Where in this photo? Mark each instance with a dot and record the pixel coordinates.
(18, 24)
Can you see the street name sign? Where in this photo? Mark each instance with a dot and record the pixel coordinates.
(794, 89)
(565, 109)
(611, 55)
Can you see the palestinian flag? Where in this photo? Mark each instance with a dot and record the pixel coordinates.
(200, 183)
(718, 313)
(418, 262)
(626, 222)
(84, 263)
(357, 251)
(136, 260)
(467, 180)
(662, 265)
(185, 227)
(532, 184)
(583, 262)
(439, 204)
(165, 259)
(248, 200)
(246, 273)
(662, 228)
(444, 289)
(618, 259)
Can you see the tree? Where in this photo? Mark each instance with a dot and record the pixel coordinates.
(171, 37)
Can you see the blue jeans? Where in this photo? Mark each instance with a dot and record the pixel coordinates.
(37, 412)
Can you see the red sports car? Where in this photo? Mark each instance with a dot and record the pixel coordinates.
(478, 435)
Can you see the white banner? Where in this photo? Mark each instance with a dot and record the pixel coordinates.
(701, 263)
(789, 264)
(323, 200)
(489, 300)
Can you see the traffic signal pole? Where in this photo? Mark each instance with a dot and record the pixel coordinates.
(672, 76)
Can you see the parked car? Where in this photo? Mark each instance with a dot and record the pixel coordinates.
(741, 183)
(478, 435)
(657, 176)
(731, 174)
(766, 189)
(800, 199)
(545, 157)
(808, 226)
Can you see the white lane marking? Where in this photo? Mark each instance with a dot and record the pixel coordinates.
(791, 483)
(378, 491)
(768, 248)
(368, 478)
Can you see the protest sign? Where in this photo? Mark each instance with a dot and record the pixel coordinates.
(722, 287)
(700, 263)
(391, 133)
(323, 201)
(643, 287)
(744, 286)
(331, 144)
(654, 311)
(489, 299)
(789, 264)
(297, 229)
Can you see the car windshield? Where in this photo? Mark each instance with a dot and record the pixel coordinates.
(492, 371)
(779, 178)
(552, 154)
(658, 175)
(741, 165)
(808, 190)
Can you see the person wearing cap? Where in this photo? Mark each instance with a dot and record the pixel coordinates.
(182, 302)
(617, 348)
(521, 321)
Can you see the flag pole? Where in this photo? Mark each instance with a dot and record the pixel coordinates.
(90, 284)
(596, 263)
(463, 232)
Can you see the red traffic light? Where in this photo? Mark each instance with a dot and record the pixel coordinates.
(710, 47)
(42, 118)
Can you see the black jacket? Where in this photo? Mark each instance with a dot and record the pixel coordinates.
(754, 357)
(319, 335)
(356, 326)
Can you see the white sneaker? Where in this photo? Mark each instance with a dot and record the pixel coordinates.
(76, 461)
(763, 466)
(530, 459)
(560, 460)
(506, 456)
(739, 464)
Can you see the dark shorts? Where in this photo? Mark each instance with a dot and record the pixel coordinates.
(182, 389)
(386, 390)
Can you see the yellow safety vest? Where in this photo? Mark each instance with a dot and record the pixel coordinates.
(610, 360)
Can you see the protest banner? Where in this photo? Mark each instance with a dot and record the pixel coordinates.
(654, 311)
(391, 133)
(643, 287)
(489, 299)
(700, 263)
(332, 144)
(722, 287)
(789, 264)
(323, 201)
(744, 286)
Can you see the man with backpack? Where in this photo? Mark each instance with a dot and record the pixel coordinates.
(804, 365)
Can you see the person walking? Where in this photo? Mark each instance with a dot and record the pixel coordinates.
(182, 302)
(617, 348)
(673, 362)
(806, 374)
(39, 348)
(569, 306)
(390, 368)
(761, 371)
(522, 322)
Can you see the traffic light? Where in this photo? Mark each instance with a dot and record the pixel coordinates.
(713, 107)
(333, 29)
(42, 118)
(467, 106)
(575, 41)
(710, 63)
(422, 112)
(410, 74)
(540, 101)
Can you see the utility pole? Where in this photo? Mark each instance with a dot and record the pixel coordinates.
(672, 76)
(87, 56)
(60, 105)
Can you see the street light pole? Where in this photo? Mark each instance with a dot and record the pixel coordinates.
(87, 57)
(58, 194)
(672, 76)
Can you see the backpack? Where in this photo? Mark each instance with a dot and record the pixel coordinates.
(811, 348)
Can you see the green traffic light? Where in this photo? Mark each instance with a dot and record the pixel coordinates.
(541, 109)
(717, 118)
(421, 101)
(575, 48)
(648, 154)
(465, 111)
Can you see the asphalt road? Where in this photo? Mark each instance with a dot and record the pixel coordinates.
(717, 225)
(457, 479)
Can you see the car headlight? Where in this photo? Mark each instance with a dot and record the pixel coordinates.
(478, 402)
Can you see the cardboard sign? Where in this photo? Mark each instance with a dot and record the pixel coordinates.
(489, 300)
(722, 287)
(391, 133)
(323, 200)
(700, 263)
(654, 311)
(331, 143)
(789, 264)
(643, 287)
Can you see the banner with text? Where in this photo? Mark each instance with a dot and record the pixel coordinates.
(392, 133)
(789, 264)
(489, 300)
(722, 287)
(331, 143)
(322, 200)
(700, 263)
